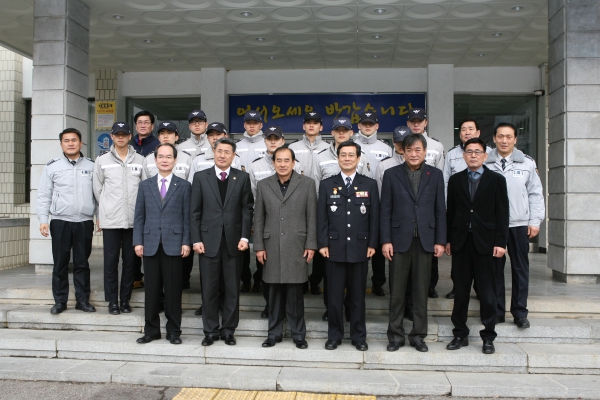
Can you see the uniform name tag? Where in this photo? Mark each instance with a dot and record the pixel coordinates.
(362, 194)
(86, 173)
(334, 196)
(517, 173)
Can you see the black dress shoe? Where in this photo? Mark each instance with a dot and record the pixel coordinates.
(257, 288)
(522, 323)
(420, 346)
(433, 293)
(457, 343)
(360, 346)
(174, 339)
(332, 344)
(450, 294)
(113, 308)
(394, 346)
(500, 320)
(265, 313)
(488, 347)
(271, 342)
(58, 308)
(209, 340)
(408, 314)
(377, 290)
(245, 288)
(147, 339)
(125, 307)
(301, 344)
(86, 307)
(325, 317)
(198, 311)
(185, 285)
(229, 340)
(315, 289)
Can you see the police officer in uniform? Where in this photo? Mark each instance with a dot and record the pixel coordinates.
(455, 161)
(400, 132)
(347, 235)
(417, 123)
(196, 144)
(206, 159)
(249, 148)
(65, 192)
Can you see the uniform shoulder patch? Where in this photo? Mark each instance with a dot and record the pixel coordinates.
(434, 138)
(528, 156)
(52, 161)
(387, 158)
(259, 158)
(458, 145)
(323, 150)
(183, 151)
(87, 158)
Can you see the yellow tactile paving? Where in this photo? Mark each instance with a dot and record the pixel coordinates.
(314, 396)
(275, 396)
(353, 397)
(196, 394)
(236, 395)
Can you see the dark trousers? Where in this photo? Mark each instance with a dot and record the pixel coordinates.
(378, 266)
(247, 275)
(162, 271)
(212, 269)
(118, 242)
(286, 300)
(318, 270)
(416, 264)
(435, 273)
(518, 251)
(468, 264)
(187, 264)
(66, 236)
(353, 278)
(137, 269)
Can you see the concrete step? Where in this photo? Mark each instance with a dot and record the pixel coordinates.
(543, 330)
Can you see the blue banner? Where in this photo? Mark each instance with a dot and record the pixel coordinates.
(287, 110)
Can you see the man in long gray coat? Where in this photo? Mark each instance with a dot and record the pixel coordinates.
(285, 240)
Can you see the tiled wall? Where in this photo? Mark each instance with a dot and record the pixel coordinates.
(14, 246)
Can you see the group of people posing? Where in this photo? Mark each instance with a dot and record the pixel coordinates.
(336, 205)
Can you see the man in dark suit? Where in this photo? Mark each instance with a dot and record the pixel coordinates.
(161, 235)
(477, 220)
(347, 235)
(221, 220)
(412, 230)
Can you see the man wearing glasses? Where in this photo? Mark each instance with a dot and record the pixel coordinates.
(197, 142)
(144, 142)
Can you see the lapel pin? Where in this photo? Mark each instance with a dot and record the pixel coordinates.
(335, 190)
(234, 178)
(355, 188)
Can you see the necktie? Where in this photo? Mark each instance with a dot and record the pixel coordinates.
(163, 188)
(503, 161)
(73, 162)
(223, 175)
(348, 182)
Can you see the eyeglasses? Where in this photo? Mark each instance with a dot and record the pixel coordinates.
(224, 152)
(143, 123)
(161, 157)
(347, 155)
(476, 152)
(197, 122)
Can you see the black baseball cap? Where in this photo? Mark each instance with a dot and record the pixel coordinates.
(197, 114)
(168, 125)
(400, 132)
(216, 126)
(342, 122)
(313, 115)
(119, 127)
(253, 116)
(369, 116)
(273, 131)
(417, 113)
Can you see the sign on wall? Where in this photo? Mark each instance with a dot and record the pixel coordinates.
(105, 114)
(287, 110)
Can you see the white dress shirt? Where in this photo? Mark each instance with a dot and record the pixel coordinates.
(218, 172)
(344, 176)
(167, 182)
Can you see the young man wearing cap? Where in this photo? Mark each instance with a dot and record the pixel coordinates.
(117, 175)
(326, 165)
(417, 122)
(144, 142)
(400, 132)
(168, 133)
(206, 159)
(311, 142)
(249, 148)
(196, 144)
(455, 162)
(377, 151)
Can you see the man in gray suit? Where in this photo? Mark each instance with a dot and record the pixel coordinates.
(161, 234)
(221, 220)
(412, 229)
(285, 240)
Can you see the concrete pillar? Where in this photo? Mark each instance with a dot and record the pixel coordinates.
(440, 103)
(60, 90)
(213, 94)
(574, 141)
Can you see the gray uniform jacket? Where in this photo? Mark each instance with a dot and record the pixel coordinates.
(435, 152)
(386, 164)
(181, 169)
(207, 160)
(376, 150)
(285, 226)
(65, 190)
(326, 165)
(194, 146)
(306, 151)
(525, 193)
(115, 187)
(249, 148)
(455, 163)
(262, 168)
